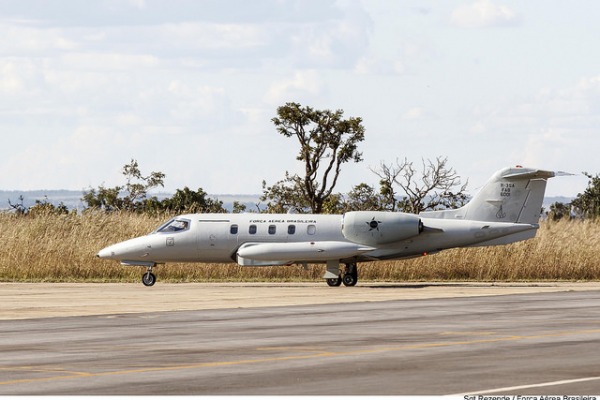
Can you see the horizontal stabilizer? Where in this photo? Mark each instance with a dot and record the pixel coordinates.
(529, 174)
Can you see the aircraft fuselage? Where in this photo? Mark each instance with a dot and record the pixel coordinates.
(225, 238)
(507, 209)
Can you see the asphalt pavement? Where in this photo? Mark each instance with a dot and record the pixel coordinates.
(538, 343)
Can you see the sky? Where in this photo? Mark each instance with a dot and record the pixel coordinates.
(189, 88)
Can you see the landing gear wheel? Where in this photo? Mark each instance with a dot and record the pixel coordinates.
(351, 275)
(349, 280)
(148, 279)
(334, 281)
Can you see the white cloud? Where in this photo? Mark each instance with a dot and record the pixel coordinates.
(573, 108)
(201, 35)
(406, 56)
(24, 37)
(189, 104)
(483, 14)
(337, 41)
(366, 65)
(371, 64)
(555, 129)
(85, 86)
(141, 4)
(478, 129)
(19, 77)
(108, 61)
(416, 114)
(304, 84)
(57, 162)
(10, 81)
(590, 84)
(544, 146)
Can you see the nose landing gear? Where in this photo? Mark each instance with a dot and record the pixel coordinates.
(149, 279)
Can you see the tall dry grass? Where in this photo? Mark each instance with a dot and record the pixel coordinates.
(63, 248)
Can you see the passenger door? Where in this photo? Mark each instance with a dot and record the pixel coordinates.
(215, 240)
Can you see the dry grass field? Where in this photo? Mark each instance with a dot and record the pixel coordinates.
(51, 248)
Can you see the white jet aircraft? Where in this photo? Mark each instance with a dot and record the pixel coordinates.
(507, 209)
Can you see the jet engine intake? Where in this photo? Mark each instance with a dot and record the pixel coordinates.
(374, 228)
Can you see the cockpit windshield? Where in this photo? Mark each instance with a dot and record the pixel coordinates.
(175, 225)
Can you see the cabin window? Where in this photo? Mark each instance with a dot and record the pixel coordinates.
(291, 229)
(233, 230)
(272, 229)
(252, 229)
(311, 229)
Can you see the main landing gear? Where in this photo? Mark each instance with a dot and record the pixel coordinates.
(149, 279)
(349, 278)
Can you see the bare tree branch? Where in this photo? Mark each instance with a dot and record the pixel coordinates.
(432, 190)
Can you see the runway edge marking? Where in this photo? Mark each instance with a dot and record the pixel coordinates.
(532, 386)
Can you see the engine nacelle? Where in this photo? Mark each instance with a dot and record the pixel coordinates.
(374, 228)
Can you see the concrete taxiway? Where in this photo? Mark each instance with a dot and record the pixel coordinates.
(41, 300)
(299, 339)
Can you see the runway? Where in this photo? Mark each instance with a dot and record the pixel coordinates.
(536, 343)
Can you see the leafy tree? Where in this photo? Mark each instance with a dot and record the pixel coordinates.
(327, 141)
(187, 201)
(137, 185)
(436, 186)
(103, 198)
(42, 207)
(238, 207)
(587, 204)
(364, 197)
(387, 195)
(559, 211)
(129, 197)
(334, 204)
(284, 196)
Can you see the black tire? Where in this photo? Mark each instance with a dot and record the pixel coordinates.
(148, 279)
(349, 280)
(334, 281)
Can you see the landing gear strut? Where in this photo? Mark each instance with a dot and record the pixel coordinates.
(349, 278)
(149, 279)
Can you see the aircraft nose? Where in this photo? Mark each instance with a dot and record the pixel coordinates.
(105, 253)
(133, 249)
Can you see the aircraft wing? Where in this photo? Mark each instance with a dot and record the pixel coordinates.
(287, 253)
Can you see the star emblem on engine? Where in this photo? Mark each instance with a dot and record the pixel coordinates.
(373, 224)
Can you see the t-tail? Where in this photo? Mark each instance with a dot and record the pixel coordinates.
(512, 195)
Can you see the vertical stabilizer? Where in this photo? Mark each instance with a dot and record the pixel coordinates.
(512, 195)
